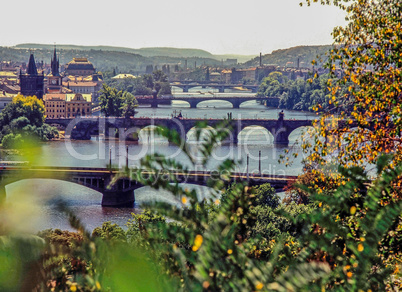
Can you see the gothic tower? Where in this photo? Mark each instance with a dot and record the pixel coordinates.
(54, 83)
(55, 64)
(31, 83)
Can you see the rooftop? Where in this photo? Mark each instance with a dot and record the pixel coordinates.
(79, 97)
(54, 96)
(80, 64)
(123, 76)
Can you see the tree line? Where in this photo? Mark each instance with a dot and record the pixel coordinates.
(300, 94)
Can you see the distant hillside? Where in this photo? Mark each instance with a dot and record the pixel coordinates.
(146, 52)
(102, 59)
(135, 60)
(305, 54)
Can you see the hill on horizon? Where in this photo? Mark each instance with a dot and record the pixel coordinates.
(110, 58)
(145, 52)
(290, 56)
(103, 60)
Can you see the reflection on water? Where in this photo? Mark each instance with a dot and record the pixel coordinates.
(36, 201)
(39, 203)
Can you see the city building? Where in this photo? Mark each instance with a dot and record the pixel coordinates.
(31, 82)
(78, 105)
(84, 84)
(247, 75)
(80, 66)
(69, 101)
(70, 105)
(5, 99)
(55, 105)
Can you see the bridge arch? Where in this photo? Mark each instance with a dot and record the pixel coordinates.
(120, 193)
(242, 103)
(222, 103)
(181, 103)
(83, 129)
(147, 135)
(300, 133)
(255, 134)
(191, 133)
(27, 191)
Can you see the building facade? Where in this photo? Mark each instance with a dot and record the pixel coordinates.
(84, 84)
(55, 105)
(5, 99)
(78, 105)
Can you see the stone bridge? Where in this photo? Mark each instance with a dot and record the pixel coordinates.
(82, 128)
(221, 87)
(121, 191)
(193, 101)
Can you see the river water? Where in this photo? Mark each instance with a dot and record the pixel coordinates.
(34, 200)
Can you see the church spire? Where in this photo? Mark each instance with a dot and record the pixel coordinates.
(55, 64)
(32, 66)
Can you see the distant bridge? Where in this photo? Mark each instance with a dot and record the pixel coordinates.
(83, 128)
(193, 101)
(121, 191)
(186, 85)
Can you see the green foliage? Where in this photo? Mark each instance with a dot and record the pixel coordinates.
(348, 239)
(297, 94)
(130, 103)
(29, 107)
(109, 231)
(22, 121)
(142, 85)
(350, 230)
(114, 103)
(265, 195)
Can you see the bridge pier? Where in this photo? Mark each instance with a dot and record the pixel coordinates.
(154, 104)
(113, 198)
(193, 103)
(282, 137)
(281, 132)
(221, 89)
(235, 103)
(185, 88)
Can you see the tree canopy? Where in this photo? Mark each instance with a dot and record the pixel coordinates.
(23, 119)
(116, 103)
(143, 85)
(365, 120)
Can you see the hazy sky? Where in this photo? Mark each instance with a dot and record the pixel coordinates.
(218, 26)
